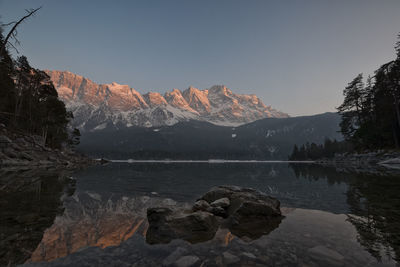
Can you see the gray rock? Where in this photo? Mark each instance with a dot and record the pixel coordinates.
(218, 211)
(229, 258)
(20, 141)
(4, 139)
(249, 255)
(16, 147)
(174, 256)
(3, 156)
(248, 214)
(52, 158)
(391, 161)
(10, 153)
(26, 156)
(166, 224)
(222, 202)
(220, 192)
(201, 205)
(187, 261)
(45, 162)
(326, 255)
(238, 195)
(251, 213)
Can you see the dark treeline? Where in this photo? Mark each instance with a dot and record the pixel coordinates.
(371, 109)
(29, 102)
(316, 151)
(370, 115)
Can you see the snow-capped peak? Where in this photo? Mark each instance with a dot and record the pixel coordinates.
(154, 99)
(96, 106)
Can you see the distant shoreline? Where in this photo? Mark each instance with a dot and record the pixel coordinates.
(212, 161)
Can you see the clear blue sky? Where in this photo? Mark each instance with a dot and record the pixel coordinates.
(295, 55)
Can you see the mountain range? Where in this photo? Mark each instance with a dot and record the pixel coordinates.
(118, 122)
(99, 106)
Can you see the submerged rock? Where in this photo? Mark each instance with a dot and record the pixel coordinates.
(230, 258)
(244, 211)
(174, 256)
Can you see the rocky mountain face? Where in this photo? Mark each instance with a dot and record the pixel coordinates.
(98, 106)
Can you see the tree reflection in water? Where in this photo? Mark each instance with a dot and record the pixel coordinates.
(374, 204)
(30, 200)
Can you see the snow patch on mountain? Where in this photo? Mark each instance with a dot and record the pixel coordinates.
(99, 106)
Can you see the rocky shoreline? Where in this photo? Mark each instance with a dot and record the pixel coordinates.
(18, 150)
(380, 157)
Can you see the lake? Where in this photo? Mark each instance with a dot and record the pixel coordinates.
(334, 216)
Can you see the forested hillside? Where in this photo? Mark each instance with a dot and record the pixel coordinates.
(29, 102)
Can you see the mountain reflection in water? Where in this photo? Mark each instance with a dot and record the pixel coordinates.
(349, 215)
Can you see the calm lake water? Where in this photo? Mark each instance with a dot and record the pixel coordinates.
(97, 216)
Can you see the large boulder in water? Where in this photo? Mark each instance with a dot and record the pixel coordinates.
(166, 224)
(250, 213)
(246, 201)
(244, 211)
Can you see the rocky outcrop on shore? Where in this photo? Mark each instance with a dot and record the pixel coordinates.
(367, 158)
(18, 149)
(375, 162)
(246, 212)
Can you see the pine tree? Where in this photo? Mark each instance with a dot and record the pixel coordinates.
(295, 153)
(351, 108)
(371, 114)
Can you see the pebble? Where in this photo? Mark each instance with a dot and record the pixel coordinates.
(229, 258)
(249, 255)
(187, 261)
(174, 256)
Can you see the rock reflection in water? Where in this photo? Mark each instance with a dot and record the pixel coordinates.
(91, 220)
(30, 200)
(304, 238)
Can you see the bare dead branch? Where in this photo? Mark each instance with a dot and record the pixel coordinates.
(8, 24)
(13, 46)
(11, 33)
